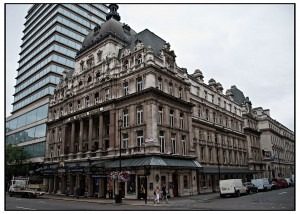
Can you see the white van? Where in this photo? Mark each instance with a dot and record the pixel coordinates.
(262, 184)
(232, 187)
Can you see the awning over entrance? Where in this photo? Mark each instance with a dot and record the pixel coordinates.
(154, 161)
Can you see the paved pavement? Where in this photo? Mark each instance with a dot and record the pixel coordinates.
(282, 199)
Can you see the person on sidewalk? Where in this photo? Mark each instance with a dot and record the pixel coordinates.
(164, 193)
(156, 195)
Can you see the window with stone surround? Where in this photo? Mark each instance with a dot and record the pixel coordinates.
(171, 118)
(99, 56)
(162, 141)
(139, 84)
(180, 93)
(107, 94)
(181, 121)
(160, 115)
(160, 83)
(96, 97)
(125, 141)
(183, 144)
(139, 115)
(125, 88)
(140, 138)
(171, 88)
(125, 118)
(173, 143)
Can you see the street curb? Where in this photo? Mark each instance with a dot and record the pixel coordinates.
(98, 202)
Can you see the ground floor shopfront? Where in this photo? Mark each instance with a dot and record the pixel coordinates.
(209, 176)
(139, 177)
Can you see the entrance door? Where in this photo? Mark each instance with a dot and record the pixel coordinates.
(81, 185)
(141, 187)
(175, 184)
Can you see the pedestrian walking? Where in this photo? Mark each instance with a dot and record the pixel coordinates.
(156, 195)
(164, 193)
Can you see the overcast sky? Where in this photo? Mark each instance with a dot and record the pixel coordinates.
(250, 46)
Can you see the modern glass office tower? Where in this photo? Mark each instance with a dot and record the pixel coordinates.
(53, 34)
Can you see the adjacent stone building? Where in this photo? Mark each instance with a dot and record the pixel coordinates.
(277, 144)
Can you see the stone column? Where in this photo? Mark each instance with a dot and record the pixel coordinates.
(112, 126)
(47, 144)
(80, 136)
(151, 123)
(63, 139)
(90, 134)
(63, 184)
(55, 184)
(100, 131)
(90, 186)
(50, 189)
(72, 138)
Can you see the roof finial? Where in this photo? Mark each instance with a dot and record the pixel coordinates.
(113, 13)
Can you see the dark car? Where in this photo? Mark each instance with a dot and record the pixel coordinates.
(251, 188)
(278, 183)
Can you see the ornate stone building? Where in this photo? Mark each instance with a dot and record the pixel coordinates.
(127, 107)
(126, 89)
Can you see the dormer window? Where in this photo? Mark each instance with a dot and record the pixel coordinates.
(99, 56)
(138, 59)
(171, 88)
(81, 65)
(96, 97)
(90, 62)
(89, 79)
(125, 64)
(87, 101)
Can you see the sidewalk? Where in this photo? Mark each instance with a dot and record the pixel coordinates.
(135, 202)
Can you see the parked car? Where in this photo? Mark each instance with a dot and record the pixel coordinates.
(232, 187)
(289, 181)
(251, 188)
(262, 184)
(278, 183)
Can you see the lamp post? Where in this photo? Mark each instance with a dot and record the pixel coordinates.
(219, 170)
(120, 123)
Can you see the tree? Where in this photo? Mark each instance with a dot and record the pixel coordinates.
(15, 162)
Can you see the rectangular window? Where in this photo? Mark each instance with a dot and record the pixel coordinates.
(207, 114)
(125, 88)
(139, 115)
(125, 118)
(205, 95)
(171, 88)
(202, 153)
(183, 143)
(219, 101)
(125, 141)
(171, 118)
(160, 85)
(107, 94)
(139, 84)
(212, 98)
(173, 143)
(180, 93)
(162, 141)
(181, 121)
(140, 138)
(160, 115)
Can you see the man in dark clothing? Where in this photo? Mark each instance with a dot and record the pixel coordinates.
(164, 193)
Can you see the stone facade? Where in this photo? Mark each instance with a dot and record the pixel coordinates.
(127, 107)
(277, 143)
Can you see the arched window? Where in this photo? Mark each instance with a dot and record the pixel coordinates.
(139, 59)
(125, 64)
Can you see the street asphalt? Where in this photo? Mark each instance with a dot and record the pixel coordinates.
(283, 199)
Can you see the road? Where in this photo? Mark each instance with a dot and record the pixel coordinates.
(282, 199)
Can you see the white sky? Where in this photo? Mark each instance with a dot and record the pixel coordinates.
(250, 46)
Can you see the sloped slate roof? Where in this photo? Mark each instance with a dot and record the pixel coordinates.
(149, 39)
(153, 161)
(238, 95)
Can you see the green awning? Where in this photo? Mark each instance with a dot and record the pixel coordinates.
(154, 161)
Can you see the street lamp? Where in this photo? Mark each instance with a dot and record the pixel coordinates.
(219, 170)
(120, 123)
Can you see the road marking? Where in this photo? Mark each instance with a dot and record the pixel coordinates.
(282, 193)
(25, 208)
